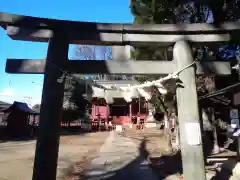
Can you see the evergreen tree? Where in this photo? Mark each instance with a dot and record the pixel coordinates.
(163, 11)
(37, 107)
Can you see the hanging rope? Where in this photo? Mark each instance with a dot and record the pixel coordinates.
(139, 88)
(158, 82)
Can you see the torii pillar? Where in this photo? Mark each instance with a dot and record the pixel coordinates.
(188, 115)
(51, 109)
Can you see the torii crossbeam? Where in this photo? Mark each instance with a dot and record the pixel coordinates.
(61, 33)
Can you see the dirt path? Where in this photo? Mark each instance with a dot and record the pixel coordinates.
(16, 158)
(119, 158)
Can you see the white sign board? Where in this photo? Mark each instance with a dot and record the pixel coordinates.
(234, 113)
(235, 123)
(193, 133)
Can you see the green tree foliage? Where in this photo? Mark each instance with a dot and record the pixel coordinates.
(177, 12)
(37, 107)
(74, 91)
(74, 104)
(75, 85)
(151, 12)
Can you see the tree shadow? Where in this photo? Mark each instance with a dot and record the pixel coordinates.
(65, 131)
(171, 164)
(226, 170)
(135, 169)
(139, 168)
(162, 166)
(167, 165)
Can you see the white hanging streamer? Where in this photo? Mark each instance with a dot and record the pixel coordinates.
(157, 83)
(146, 94)
(161, 80)
(143, 89)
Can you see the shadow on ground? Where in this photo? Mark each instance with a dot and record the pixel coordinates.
(32, 135)
(167, 165)
(139, 168)
(225, 172)
(136, 169)
(164, 167)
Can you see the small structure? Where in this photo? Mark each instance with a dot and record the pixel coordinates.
(18, 119)
(110, 105)
(3, 106)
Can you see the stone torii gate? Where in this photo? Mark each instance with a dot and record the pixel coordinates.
(59, 34)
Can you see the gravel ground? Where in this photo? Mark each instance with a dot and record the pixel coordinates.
(16, 158)
(104, 155)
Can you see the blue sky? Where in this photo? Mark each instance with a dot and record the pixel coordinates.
(28, 87)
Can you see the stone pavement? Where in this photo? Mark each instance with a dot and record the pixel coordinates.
(119, 158)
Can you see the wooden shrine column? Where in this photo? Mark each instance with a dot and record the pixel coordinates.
(188, 114)
(46, 155)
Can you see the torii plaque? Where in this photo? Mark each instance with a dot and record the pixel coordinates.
(61, 33)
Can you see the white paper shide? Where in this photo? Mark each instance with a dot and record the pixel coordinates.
(193, 133)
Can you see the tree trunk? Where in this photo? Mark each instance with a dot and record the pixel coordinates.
(211, 87)
(216, 148)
